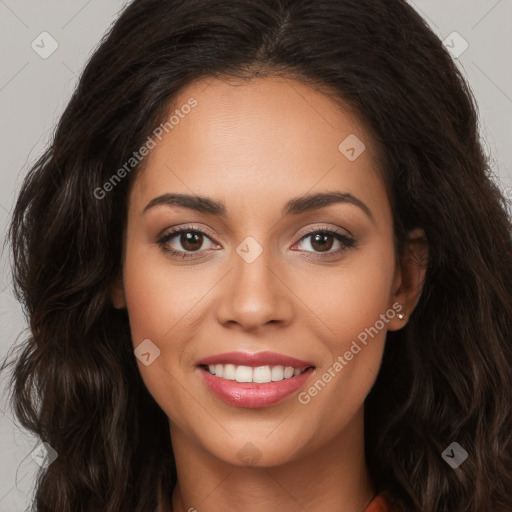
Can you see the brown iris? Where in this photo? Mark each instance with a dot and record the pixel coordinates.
(320, 240)
(191, 240)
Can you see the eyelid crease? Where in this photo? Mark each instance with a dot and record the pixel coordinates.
(347, 240)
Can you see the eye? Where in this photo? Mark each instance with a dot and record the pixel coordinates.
(190, 239)
(322, 240)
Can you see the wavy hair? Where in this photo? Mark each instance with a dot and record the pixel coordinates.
(445, 377)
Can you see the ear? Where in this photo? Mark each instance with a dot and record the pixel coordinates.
(117, 292)
(409, 278)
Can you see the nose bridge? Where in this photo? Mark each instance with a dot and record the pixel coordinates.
(254, 294)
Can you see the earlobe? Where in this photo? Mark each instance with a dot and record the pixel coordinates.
(410, 278)
(400, 318)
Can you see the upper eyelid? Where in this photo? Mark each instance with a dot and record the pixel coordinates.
(176, 231)
(333, 230)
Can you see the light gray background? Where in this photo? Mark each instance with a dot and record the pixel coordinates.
(34, 92)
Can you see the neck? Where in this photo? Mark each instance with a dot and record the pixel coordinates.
(330, 477)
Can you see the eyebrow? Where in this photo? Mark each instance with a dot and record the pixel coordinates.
(294, 206)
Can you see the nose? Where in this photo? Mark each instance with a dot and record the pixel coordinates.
(254, 294)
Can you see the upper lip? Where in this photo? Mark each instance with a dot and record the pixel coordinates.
(257, 359)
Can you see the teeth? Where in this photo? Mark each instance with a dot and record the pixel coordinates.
(277, 372)
(262, 374)
(259, 374)
(243, 374)
(229, 371)
(288, 372)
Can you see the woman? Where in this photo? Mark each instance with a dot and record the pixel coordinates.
(265, 268)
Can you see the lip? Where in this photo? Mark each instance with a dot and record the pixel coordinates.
(250, 394)
(258, 359)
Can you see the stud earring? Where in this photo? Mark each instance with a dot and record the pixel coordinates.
(401, 316)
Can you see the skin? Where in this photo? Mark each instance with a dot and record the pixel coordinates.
(254, 145)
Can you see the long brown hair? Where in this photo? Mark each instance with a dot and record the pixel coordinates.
(446, 376)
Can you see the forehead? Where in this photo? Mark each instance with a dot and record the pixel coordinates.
(259, 141)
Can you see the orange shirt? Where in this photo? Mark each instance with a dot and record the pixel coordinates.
(381, 503)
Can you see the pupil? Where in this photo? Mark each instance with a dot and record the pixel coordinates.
(318, 238)
(189, 238)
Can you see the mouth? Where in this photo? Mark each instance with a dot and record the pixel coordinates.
(254, 380)
(252, 394)
(256, 375)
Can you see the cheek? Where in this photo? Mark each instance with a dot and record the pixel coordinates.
(159, 296)
(349, 303)
(351, 296)
(341, 300)
(160, 303)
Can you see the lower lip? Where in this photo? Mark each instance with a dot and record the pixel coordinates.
(252, 395)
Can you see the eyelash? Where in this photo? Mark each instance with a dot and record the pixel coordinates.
(347, 241)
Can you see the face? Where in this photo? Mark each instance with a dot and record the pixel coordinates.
(260, 276)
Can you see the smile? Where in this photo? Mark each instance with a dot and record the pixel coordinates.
(256, 380)
(259, 374)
